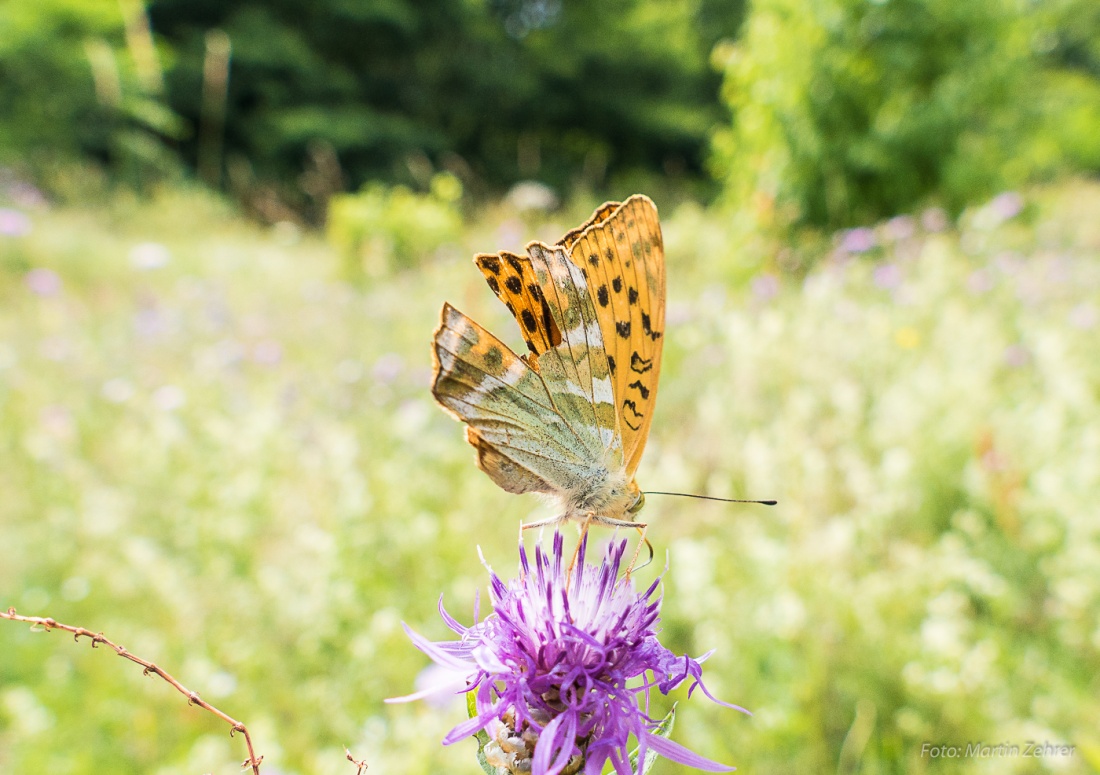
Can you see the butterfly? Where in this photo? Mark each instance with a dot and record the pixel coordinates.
(570, 418)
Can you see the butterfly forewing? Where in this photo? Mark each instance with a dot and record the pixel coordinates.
(622, 254)
(512, 279)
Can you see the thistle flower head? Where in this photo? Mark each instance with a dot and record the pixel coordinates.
(560, 665)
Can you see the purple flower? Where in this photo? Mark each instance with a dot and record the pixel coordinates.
(1007, 205)
(765, 286)
(888, 276)
(1016, 355)
(1084, 316)
(935, 219)
(44, 282)
(14, 223)
(559, 667)
(980, 281)
(901, 227)
(858, 240)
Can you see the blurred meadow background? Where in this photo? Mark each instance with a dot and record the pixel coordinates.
(226, 230)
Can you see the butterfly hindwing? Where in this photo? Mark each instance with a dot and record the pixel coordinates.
(523, 442)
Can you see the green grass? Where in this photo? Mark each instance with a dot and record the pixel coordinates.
(232, 465)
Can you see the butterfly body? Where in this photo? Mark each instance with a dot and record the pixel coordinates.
(570, 418)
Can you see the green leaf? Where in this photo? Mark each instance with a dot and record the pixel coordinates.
(482, 738)
(664, 729)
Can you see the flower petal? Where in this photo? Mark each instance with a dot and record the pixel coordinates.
(681, 755)
(439, 655)
(551, 745)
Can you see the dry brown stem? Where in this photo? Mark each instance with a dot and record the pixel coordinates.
(361, 764)
(48, 624)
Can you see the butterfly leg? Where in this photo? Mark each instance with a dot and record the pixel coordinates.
(541, 523)
(588, 519)
(641, 540)
(641, 527)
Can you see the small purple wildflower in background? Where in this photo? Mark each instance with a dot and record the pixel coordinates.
(1084, 316)
(43, 282)
(14, 223)
(888, 276)
(267, 352)
(980, 281)
(901, 227)
(858, 240)
(935, 219)
(765, 286)
(388, 368)
(26, 195)
(550, 668)
(510, 232)
(1017, 356)
(1007, 205)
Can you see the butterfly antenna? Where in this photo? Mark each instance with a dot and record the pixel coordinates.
(710, 498)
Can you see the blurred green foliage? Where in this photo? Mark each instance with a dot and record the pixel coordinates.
(225, 457)
(392, 227)
(846, 111)
(81, 80)
(494, 90)
(47, 92)
(832, 113)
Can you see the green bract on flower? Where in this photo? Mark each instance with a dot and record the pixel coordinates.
(560, 671)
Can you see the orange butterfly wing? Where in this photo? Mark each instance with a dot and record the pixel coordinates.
(621, 252)
(512, 279)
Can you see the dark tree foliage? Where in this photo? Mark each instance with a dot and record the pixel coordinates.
(561, 90)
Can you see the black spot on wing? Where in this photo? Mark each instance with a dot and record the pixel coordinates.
(639, 364)
(637, 385)
(593, 259)
(529, 321)
(602, 297)
(617, 284)
(623, 329)
(631, 416)
(493, 284)
(514, 263)
(492, 263)
(513, 284)
(611, 364)
(632, 295)
(547, 319)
